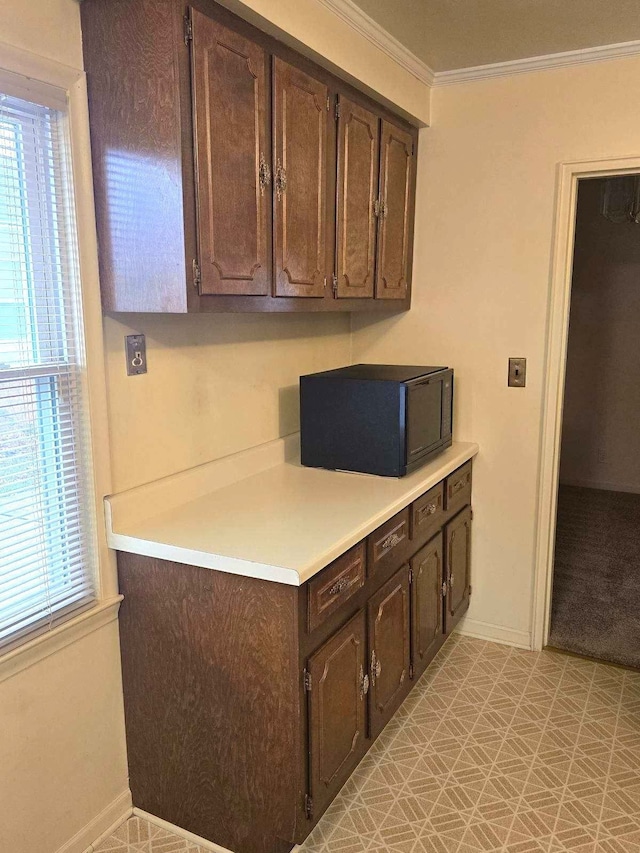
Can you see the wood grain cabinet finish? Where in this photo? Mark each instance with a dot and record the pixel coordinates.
(301, 109)
(335, 585)
(458, 557)
(248, 703)
(388, 622)
(427, 515)
(426, 604)
(458, 488)
(337, 710)
(388, 545)
(233, 155)
(357, 199)
(396, 214)
(214, 150)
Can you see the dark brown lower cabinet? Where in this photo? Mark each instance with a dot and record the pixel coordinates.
(390, 657)
(337, 703)
(249, 703)
(458, 561)
(427, 595)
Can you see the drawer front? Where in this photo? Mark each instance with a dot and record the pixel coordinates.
(389, 544)
(426, 515)
(335, 585)
(458, 488)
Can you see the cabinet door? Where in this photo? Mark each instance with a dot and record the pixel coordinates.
(426, 604)
(337, 710)
(458, 567)
(356, 224)
(230, 94)
(396, 213)
(300, 181)
(388, 624)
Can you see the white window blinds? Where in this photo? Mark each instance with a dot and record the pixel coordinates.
(47, 554)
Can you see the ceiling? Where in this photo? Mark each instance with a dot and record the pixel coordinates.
(448, 34)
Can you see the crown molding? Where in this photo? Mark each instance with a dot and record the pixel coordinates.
(377, 35)
(538, 63)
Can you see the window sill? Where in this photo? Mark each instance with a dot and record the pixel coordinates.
(47, 644)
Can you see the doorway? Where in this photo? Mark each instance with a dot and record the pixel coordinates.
(595, 600)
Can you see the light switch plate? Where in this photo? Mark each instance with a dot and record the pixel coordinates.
(136, 349)
(517, 372)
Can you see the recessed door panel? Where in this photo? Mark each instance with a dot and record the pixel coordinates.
(230, 94)
(356, 223)
(426, 604)
(389, 655)
(300, 182)
(458, 567)
(396, 213)
(337, 710)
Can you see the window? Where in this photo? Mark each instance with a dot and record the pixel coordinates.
(47, 553)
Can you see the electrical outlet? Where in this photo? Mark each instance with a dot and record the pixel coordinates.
(517, 372)
(136, 349)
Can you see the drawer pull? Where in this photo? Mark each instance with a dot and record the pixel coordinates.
(429, 509)
(451, 581)
(444, 590)
(364, 683)
(391, 541)
(457, 486)
(339, 586)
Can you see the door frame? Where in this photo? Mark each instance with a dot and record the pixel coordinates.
(568, 175)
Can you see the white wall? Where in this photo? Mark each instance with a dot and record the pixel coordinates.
(484, 228)
(600, 438)
(63, 772)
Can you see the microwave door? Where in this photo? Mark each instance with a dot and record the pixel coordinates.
(424, 417)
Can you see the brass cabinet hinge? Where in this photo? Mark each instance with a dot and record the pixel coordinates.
(197, 277)
(307, 681)
(334, 284)
(410, 575)
(188, 29)
(443, 591)
(308, 806)
(337, 110)
(328, 103)
(410, 670)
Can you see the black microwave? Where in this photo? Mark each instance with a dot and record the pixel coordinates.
(386, 419)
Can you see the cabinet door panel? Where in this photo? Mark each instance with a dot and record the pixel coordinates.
(356, 224)
(337, 710)
(396, 215)
(426, 604)
(300, 182)
(458, 567)
(230, 94)
(388, 624)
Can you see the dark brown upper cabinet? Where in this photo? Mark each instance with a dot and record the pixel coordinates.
(227, 179)
(232, 156)
(357, 200)
(301, 143)
(396, 212)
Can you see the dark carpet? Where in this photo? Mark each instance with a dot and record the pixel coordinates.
(596, 586)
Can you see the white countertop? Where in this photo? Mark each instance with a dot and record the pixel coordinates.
(261, 514)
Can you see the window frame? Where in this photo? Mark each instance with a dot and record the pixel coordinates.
(42, 80)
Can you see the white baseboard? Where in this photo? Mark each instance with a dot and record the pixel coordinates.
(495, 633)
(100, 827)
(183, 833)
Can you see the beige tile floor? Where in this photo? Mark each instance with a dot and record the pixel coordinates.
(496, 749)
